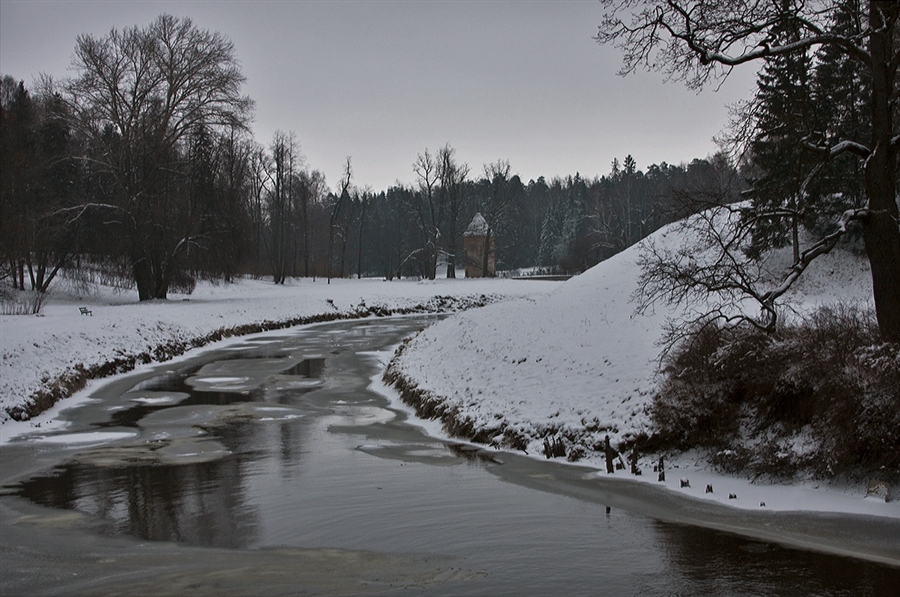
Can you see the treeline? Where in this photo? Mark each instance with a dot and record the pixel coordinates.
(141, 170)
(564, 224)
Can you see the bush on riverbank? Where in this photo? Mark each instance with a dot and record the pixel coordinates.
(821, 396)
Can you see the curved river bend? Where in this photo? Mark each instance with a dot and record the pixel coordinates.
(269, 466)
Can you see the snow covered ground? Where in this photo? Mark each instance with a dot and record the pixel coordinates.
(579, 364)
(36, 350)
(567, 358)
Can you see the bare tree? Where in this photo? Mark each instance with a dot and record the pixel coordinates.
(281, 203)
(258, 182)
(137, 96)
(452, 178)
(495, 205)
(698, 41)
(362, 201)
(335, 224)
(712, 273)
(312, 189)
(429, 209)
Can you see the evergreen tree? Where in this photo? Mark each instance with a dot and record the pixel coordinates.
(784, 119)
(698, 41)
(842, 92)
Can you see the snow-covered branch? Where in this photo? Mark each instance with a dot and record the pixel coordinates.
(688, 39)
(712, 271)
(823, 246)
(839, 148)
(81, 210)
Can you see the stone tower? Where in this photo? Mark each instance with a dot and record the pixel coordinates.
(474, 245)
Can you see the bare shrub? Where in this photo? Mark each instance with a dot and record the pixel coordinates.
(183, 283)
(79, 281)
(22, 302)
(821, 395)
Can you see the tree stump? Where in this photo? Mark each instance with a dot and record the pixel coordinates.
(610, 454)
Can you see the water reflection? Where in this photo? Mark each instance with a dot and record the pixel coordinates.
(712, 563)
(300, 453)
(474, 454)
(222, 382)
(311, 368)
(195, 504)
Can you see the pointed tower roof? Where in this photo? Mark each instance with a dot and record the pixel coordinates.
(477, 227)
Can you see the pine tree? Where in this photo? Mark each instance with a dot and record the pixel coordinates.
(842, 93)
(784, 119)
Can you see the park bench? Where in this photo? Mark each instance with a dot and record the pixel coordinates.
(86, 311)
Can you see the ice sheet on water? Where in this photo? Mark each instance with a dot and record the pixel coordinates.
(92, 437)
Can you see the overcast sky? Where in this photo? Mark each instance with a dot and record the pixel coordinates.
(381, 81)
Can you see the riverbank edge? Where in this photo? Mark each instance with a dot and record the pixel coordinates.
(76, 377)
(844, 541)
(429, 405)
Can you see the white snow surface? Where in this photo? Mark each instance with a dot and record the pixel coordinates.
(579, 361)
(581, 358)
(569, 356)
(38, 349)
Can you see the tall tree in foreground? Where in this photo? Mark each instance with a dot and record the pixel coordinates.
(137, 97)
(697, 41)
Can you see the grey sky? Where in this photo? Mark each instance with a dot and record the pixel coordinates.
(381, 81)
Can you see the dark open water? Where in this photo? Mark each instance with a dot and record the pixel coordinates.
(276, 441)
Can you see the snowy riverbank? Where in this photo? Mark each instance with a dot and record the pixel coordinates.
(578, 365)
(569, 359)
(37, 351)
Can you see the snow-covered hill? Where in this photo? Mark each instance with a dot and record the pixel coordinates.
(579, 363)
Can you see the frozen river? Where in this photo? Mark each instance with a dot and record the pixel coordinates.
(270, 467)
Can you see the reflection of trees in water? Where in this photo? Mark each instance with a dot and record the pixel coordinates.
(196, 504)
(289, 443)
(133, 414)
(211, 503)
(706, 562)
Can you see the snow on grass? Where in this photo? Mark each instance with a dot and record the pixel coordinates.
(575, 361)
(738, 492)
(578, 359)
(579, 364)
(37, 350)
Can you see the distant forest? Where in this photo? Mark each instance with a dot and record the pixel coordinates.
(141, 171)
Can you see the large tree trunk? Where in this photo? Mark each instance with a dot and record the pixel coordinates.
(305, 233)
(451, 263)
(880, 230)
(151, 277)
(143, 279)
